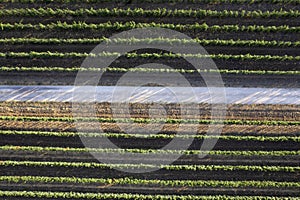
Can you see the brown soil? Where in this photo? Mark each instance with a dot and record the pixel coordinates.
(168, 128)
(239, 112)
(42, 78)
(230, 80)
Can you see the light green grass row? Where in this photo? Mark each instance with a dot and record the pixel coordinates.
(147, 182)
(127, 196)
(148, 70)
(153, 136)
(120, 26)
(149, 151)
(158, 1)
(167, 41)
(156, 120)
(257, 168)
(140, 12)
(49, 54)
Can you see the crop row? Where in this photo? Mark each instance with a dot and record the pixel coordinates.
(148, 120)
(119, 26)
(168, 41)
(48, 54)
(258, 168)
(127, 196)
(90, 134)
(140, 12)
(157, 136)
(132, 181)
(159, 1)
(147, 70)
(150, 151)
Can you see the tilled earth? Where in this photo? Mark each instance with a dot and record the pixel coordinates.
(256, 154)
(18, 139)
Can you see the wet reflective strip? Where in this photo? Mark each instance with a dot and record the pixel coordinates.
(234, 95)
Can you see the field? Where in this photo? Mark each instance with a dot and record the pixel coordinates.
(255, 44)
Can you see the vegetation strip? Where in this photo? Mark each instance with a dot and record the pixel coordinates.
(148, 151)
(149, 166)
(148, 120)
(148, 70)
(156, 136)
(119, 26)
(170, 41)
(127, 196)
(132, 181)
(140, 12)
(49, 54)
(158, 1)
(98, 182)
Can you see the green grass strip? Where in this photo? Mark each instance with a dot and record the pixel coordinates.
(164, 183)
(168, 41)
(155, 136)
(49, 54)
(120, 26)
(149, 151)
(140, 12)
(127, 196)
(146, 70)
(159, 1)
(147, 120)
(10, 163)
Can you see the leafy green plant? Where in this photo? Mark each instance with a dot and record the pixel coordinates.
(132, 181)
(130, 25)
(127, 196)
(149, 70)
(169, 41)
(48, 54)
(138, 12)
(147, 151)
(148, 166)
(148, 120)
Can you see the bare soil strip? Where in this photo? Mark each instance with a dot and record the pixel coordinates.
(234, 137)
(184, 160)
(110, 188)
(68, 78)
(139, 110)
(264, 6)
(160, 174)
(168, 128)
(211, 49)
